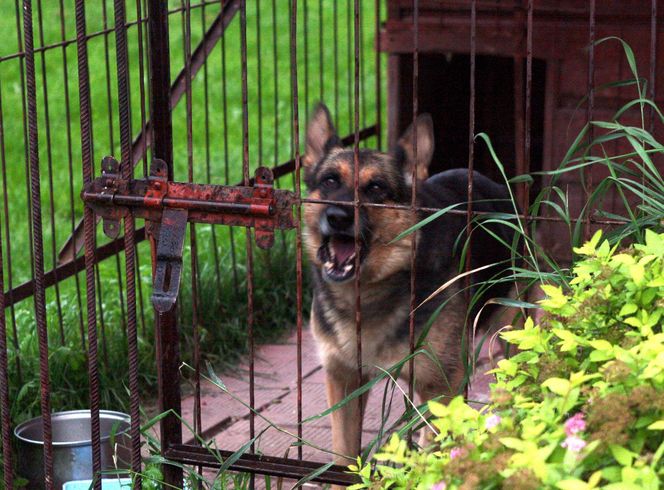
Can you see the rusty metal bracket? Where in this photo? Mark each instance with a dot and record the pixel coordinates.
(168, 206)
(169, 259)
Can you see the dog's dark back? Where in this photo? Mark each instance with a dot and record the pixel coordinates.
(442, 241)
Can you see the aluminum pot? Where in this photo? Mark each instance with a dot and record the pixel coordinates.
(72, 446)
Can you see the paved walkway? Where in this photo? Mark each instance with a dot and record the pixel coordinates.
(226, 419)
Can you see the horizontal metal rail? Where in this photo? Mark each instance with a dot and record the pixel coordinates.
(260, 465)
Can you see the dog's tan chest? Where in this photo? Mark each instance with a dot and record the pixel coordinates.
(381, 345)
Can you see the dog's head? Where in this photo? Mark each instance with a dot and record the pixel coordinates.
(384, 178)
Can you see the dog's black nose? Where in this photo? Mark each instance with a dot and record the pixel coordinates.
(340, 219)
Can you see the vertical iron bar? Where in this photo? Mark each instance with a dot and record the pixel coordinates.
(89, 232)
(141, 86)
(305, 47)
(349, 60)
(186, 20)
(356, 209)
(653, 61)
(224, 99)
(144, 146)
(109, 99)
(127, 168)
(471, 163)
(413, 203)
(167, 335)
(525, 202)
(321, 85)
(363, 88)
(587, 171)
(248, 235)
(100, 302)
(298, 215)
(26, 145)
(259, 83)
(208, 172)
(39, 297)
(70, 167)
(49, 161)
(379, 101)
(518, 95)
(335, 30)
(275, 81)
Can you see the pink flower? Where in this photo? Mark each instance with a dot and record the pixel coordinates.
(574, 444)
(492, 421)
(575, 424)
(441, 485)
(456, 452)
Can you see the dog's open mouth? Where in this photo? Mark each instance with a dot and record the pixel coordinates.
(337, 253)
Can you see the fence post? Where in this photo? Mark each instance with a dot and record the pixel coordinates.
(167, 335)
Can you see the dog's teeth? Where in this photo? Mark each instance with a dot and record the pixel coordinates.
(348, 268)
(328, 266)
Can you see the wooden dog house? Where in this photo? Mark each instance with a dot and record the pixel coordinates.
(560, 82)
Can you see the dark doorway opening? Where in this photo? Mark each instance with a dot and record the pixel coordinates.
(444, 92)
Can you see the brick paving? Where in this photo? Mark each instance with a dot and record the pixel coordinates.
(225, 418)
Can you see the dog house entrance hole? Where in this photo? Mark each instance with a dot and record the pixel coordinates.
(444, 92)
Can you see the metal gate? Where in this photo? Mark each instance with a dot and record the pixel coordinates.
(168, 202)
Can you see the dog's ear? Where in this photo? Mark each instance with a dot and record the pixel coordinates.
(321, 136)
(422, 129)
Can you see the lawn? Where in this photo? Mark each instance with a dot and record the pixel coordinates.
(325, 69)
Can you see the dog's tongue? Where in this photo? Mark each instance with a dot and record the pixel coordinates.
(343, 249)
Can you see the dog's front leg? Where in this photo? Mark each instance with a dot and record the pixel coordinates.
(346, 420)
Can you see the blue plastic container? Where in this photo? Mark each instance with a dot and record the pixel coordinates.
(106, 484)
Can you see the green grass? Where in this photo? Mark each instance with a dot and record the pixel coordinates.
(217, 158)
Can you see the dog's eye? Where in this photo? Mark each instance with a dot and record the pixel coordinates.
(375, 188)
(330, 182)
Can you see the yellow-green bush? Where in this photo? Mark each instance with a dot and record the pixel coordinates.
(581, 404)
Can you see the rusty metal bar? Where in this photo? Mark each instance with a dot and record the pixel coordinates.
(413, 203)
(529, 94)
(335, 30)
(588, 170)
(321, 85)
(49, 161)
(70, 169)
(298, 213)
(248, 241)
(262, 465)
(167, 335)
(186, 21)
(379, 83)
(224, 96)
(144, 139)
(88, 220)
(26, 144)
(653, 61)
(471, 165)
(356, 203)
(124, 110)
(208, 174)
(39, 298)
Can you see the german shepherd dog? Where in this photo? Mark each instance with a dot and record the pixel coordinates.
(385, 264)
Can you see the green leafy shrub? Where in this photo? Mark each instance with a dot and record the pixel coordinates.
(580, 405)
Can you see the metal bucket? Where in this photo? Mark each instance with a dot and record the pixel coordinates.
(72, 446)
